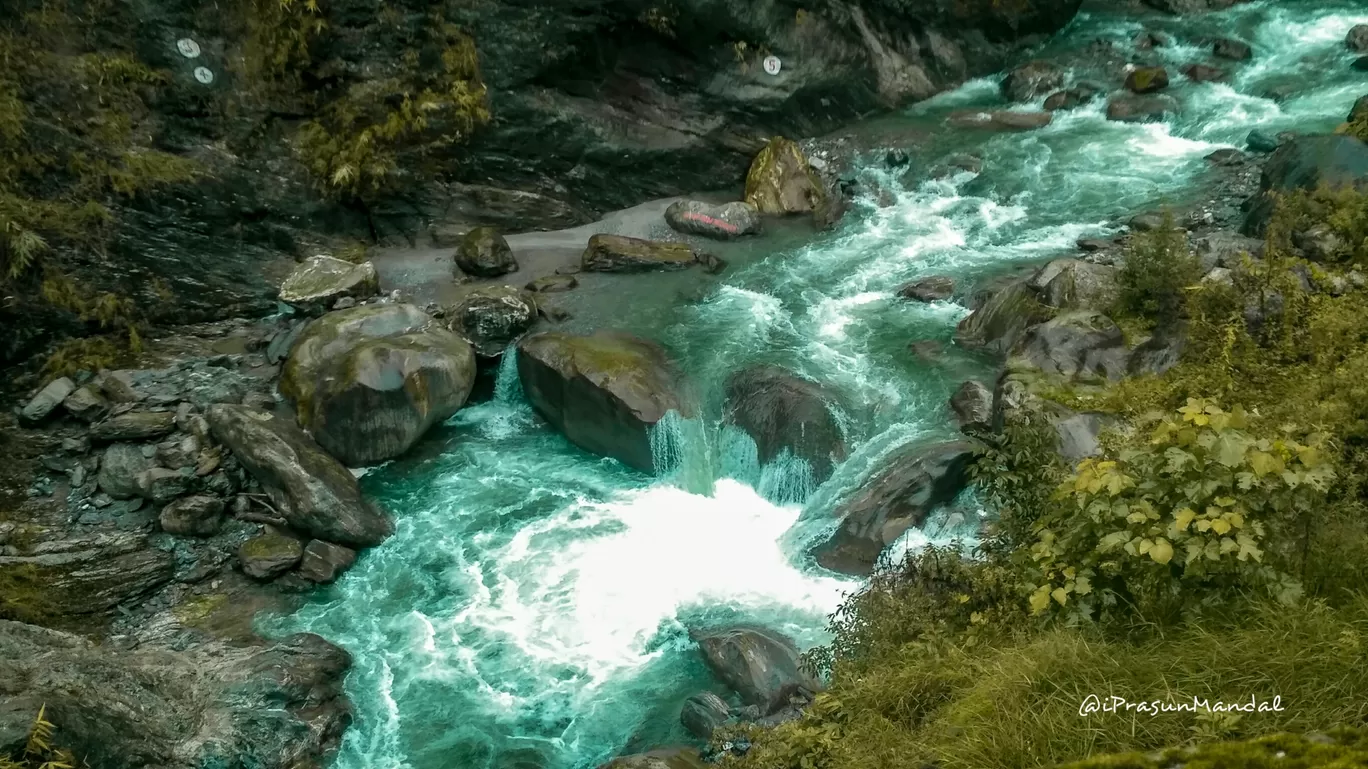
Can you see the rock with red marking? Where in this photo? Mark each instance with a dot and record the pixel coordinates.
(719, 222)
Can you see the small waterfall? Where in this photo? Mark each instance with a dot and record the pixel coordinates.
(507, 386)
(681, 452)
(786, 480)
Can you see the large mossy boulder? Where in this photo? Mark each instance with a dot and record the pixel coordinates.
(758, 664)
(619, 253)
(368, 382)
(780, 181)
(1002, 319)
(314, 492)
(320, 281)
(783, 412)
(1080, 344)
(1307, 163)
(913, 482)
(484, 253)
(493, 317)
(1147, 79)
(604, 391)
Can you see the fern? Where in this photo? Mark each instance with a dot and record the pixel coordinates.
(40, 735)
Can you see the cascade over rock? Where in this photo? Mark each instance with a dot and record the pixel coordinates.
(603, 391)
(784, 412)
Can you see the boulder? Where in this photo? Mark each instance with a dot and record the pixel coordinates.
(926, 350)
(720, 222)
(932, 289)
(368, 382)
(268, 555)
(314, 492)
(958, 163)
(1071, 98)
(1147, 80)
(780, 181)
(492, 318)
(912, 483)
(1261, 141)
(1079, 434)
(604, 391)
(1083, 343)
(120, 466)
(619, 253)
(1307, 163)
(1320, 243)
(86, 404)
(80, 575)
(47, 400)
(552, 284)
(1002, 319)
(703, 713)
(999, 120)
(321, 281)
(669, 758)
(757, 664)
(1360, 64)
(323, 562)
(1228, 156)
(1140, 108)
(197, 516)
(1234, 50)
(1360, 109)
(784, 412)
(134, 426)
(160, 485)
(973, 406)
(1357, 39)
(1031, 80)
(1160, 352)
(1226, 249)
(1203, 73)
(1075, 285)
(484, 253)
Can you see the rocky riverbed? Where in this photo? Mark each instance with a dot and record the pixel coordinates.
(514, 496)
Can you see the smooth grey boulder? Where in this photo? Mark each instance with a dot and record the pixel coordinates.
(314, 492)
(756, 663)
(322, 280)
(1031, 80)
(492, 318)
(120, 466)
(1078, 285)
(912, 483)
(1083, 343)
(484, 253)
(703, 713)
(603, 391)
(782, 411)
(1003, 318)
(47, 400)
(1307, 163)
(719, 222)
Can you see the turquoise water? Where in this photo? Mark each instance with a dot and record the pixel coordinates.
(532, 608)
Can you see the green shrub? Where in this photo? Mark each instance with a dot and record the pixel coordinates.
(1158, 270)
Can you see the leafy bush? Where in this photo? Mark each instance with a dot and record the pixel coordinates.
(1158, 270)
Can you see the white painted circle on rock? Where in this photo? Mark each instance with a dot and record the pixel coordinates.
(188, 48)
(204, 75)
(773, 65)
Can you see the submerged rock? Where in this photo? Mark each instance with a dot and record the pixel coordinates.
(484, 253)
(1234, 50)
(1140, 108)
(935, 288)
(758, 664)
(1031, 80)
(780, 181)
(1071, 98)
(999, 120)
(492, 318)
(1147, 79)
(314, 492)
(1203, 73)
(784, 412)
(322, 280)
(913, 482)
(604, 392)
(619, 253)
(720, 222)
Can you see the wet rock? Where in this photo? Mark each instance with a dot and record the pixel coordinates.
(1261, 141)
(321, 281)
(47, 400)
(931, 289)
(670, 758)
(120, 466)
(552, 284)
(1359, 110)
(783, 412)
(603, 391)
(1234, 50)
(86, 404)
(1093, 245)
(927, 351)
(1147, 80)
(1140, 108)
(999, 120)
(268, 555)
(370, 381)
(1031, 80)
(485, 253)
(1307, 163)
(912, 483)
(1204, 73)
(720, 222)
(757, 664)
(1075, 284)
(80, 575)
(279, 347)
(134, 426)
(1147, 222)
(998, 324)
(957, 164)
(780, 180)
(197, 516)
(1076, 344)
(703, 713)
(1226, 157)
(492, 318)
(1071, 98)
(1148, 39)
(314, 492)
(618, 253)
(160, 485)
(1360, 64)
(323, 562)
(973, 406)
(1357, 39)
